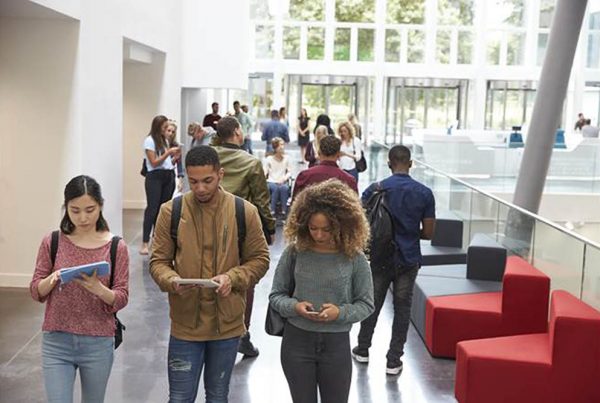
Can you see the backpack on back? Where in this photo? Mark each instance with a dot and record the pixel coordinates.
(381, 245)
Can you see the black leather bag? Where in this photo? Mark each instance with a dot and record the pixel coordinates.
(144, 169)
(361, 164)
(274, 322)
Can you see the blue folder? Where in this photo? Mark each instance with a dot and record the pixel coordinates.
(70, 273)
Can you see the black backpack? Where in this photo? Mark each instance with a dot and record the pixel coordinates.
(240, 218)
(114, 244)
(382, 246)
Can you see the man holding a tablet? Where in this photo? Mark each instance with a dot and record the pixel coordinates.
(206, 276)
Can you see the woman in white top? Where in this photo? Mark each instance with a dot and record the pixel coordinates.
(160, 179)
(351, 149)
(278, 170)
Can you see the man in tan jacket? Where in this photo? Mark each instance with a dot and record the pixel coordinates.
(206, 323)
(244, 177)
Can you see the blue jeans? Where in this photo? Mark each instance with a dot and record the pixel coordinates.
(279, 193)
(63, 353)
(403, 280)
(186, 359)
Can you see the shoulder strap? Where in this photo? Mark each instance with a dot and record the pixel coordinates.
(53, 247)
(292, 269)
(240, 218)
(114, 245)
(175, 216)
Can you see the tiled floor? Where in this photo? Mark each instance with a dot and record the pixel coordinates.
(140, 375)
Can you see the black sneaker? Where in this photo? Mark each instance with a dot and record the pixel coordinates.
(393, 367)
(246, 347)
(360, 354)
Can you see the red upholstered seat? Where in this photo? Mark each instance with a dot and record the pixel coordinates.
(562, 365)
(521, 307)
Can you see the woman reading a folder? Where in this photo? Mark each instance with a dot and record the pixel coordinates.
(79, 322)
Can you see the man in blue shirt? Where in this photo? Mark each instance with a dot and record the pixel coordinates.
(274, 129)
(412, 208)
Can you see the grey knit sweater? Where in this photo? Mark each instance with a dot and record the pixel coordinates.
(324, 278)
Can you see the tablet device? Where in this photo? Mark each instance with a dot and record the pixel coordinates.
(202, 282)
(68, 274)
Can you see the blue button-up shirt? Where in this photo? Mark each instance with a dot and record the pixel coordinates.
(410, 202)
(275, 129)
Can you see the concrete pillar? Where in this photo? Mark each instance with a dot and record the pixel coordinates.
(554, 78)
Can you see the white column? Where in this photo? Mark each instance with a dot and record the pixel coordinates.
(564, 34)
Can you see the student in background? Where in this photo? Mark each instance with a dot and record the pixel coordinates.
(303, 133)
(177, 159)
(278, 171)
(160, 179)
(312, 150)
(351, 149)
(79, 326)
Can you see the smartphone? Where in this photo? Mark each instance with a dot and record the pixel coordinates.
(310, 312)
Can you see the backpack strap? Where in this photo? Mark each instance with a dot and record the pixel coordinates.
(53, 247)
(175, 216)
(114, 245)
(240, 218)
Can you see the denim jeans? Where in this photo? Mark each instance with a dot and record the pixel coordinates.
(63, 353)
(186, 360)
(247, 146)
(403, 280)
(312, 360)
(279, 193)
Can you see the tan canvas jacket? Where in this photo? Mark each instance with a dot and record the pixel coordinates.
(245, 177)
(200, 314)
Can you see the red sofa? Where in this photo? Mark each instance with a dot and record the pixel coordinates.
(562, 365)
(521, 307)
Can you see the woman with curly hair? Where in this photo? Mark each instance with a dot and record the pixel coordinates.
(322, 285)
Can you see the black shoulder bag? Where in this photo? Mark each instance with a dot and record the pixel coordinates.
(274, 322)
(114, 243)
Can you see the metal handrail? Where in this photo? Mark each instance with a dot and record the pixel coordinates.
(504, 202)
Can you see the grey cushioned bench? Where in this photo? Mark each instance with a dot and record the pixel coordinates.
(445, 246)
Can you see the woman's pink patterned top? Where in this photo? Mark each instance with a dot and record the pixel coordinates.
(70, 308)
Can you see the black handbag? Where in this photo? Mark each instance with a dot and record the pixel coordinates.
(361, 164)
(274, 322)
(144, 169)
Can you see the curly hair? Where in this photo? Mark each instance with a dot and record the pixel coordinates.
(340, 204)
(348, 127)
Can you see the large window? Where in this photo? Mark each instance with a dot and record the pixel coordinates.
(291, 43)
(506, 13)
(509, 103)
(392, 45)
(366, 45)
(546, 12)
(263, 44)
(593, 46)
(405, 11)
(355, 10)
(456, 12)
(307, 10)
(341, 49)
(316, 43)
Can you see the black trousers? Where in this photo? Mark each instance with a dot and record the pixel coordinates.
(403, 280)
(160, 185)
(314, 359)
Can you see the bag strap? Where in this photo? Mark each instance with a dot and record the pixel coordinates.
(240, 218)
(53, 247)
(292, 269)
(114, 245)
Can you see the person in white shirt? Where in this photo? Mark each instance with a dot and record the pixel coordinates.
(351, 149)
(278, 171)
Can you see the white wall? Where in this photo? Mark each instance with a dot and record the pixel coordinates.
(142, 85)
(216, 44)
(62, 105)
(40, 149)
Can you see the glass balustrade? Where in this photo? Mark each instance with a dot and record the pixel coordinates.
(571, 261)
